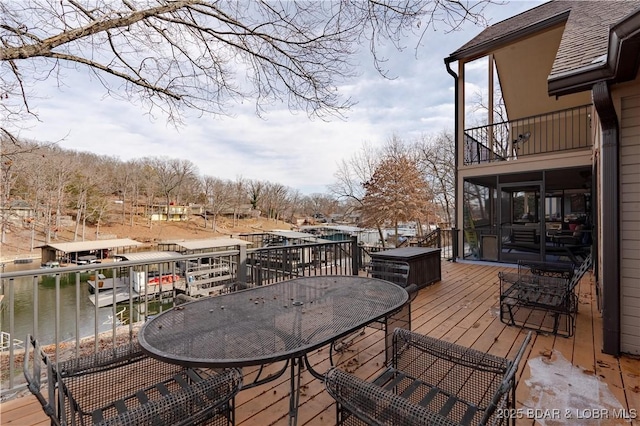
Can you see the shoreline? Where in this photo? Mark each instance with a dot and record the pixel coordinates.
(17, 258)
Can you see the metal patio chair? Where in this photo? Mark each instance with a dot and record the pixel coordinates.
(396, 272)
(430, 382)
(123, 386)
(542, 297)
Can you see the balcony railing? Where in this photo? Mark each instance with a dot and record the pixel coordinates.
(539, 134)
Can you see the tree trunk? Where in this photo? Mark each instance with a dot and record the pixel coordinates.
(381, 236)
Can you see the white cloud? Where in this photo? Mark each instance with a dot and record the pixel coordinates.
(283, 147)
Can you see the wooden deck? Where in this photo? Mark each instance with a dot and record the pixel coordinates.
(462, 308)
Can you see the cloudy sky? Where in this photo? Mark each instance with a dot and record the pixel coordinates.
(280, 147)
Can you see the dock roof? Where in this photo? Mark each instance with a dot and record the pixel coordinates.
(211, 243)
(77, 246)
(151, 256)
(304, 236)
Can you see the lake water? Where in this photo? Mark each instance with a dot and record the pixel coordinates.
(90, 317)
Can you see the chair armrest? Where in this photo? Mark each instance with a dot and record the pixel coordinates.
(377, 406)
(201, 398)
(412, 289)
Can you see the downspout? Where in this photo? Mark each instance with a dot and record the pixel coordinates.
(610, 213)
(447, 63)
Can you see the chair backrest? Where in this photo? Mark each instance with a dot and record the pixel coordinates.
(523, 235)
(393, 271)
(579, 273)
(489, 380)
(53, 400)
(123, 386)
(547, 269)
(508, 382)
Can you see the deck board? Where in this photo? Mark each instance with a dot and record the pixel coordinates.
(462, 308)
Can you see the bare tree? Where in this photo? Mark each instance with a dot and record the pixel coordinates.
(170, 175)
(219, 196)
(186, 53)
(57, 169)
(31, 185)
(499, 133)
(238, 196)
(275, 200)
(293, 201)
(321, 204)
(186, 173)
(436, 157)
(353, 173)
(123, 178)
(255, 189)
(9, 174)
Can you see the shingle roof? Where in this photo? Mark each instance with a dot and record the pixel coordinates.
(584, 41)
(512, 27)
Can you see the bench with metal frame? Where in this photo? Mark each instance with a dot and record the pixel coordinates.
(123, 386)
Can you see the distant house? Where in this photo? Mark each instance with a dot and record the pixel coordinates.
(566, 158)
(170, 212)
(19, 212)
(243, 211)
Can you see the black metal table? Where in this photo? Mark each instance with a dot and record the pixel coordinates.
(282, 321)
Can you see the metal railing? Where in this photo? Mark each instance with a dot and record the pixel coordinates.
(438, 238)
(272, 264)
(556, 131)
(57, 308)
(444, 239)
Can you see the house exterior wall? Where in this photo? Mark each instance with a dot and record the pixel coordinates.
(530, 60)
(627, 101)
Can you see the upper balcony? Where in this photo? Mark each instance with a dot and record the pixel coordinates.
(557, 131)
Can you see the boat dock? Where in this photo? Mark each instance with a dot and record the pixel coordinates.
(121, 293)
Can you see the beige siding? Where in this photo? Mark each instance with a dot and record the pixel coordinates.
(630, 224)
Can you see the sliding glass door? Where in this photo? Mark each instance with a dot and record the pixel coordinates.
(521, 218)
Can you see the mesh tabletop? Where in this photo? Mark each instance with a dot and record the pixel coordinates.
(269, 323)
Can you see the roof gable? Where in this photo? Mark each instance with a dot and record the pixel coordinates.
(585, 40)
